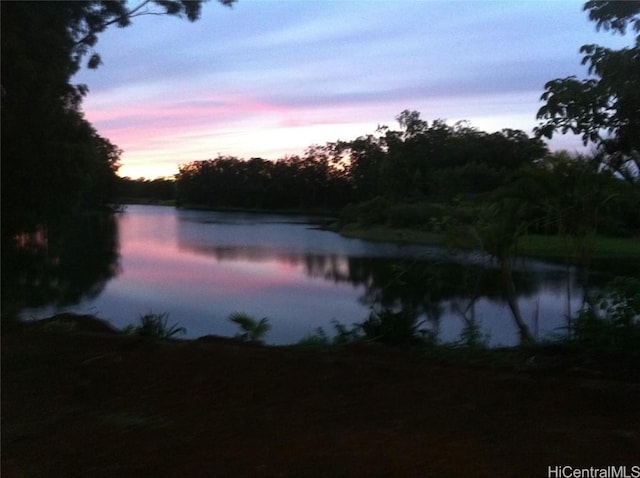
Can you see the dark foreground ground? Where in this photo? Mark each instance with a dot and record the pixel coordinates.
(79, 403)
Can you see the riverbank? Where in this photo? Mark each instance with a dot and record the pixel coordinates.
(551, 247)
(86, 401)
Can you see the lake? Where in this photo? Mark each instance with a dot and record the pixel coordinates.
(201, 266)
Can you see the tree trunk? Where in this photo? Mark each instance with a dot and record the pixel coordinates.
(509, 290)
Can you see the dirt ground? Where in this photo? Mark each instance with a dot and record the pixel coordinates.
(81, 401)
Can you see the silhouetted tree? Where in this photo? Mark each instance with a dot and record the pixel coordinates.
(605, 108)
(53, 160)
(146, 190)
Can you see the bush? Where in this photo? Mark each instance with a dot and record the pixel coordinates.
(365, 214)
(344, 335)
(317, 339)
(613, 318)
(473, 337)
(419, 215)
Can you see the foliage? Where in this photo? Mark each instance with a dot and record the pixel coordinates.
(417, 215)
(94, 17)
(252, 330)
(53, 159)
(395, 328)
(386, 327)
(416, 163)
(317, 339)
(145, 190)
(605, 107)
(472, 336)
(343, 335)
(366, 213)
(308, 182)
(499, 227)
(154, 325)
(613, 318)
(560, 247)
(71, 259)
(574, 198)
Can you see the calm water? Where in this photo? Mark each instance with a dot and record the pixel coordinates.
(201, 266)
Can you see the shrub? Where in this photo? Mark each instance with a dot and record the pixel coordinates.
(365, 214)
(252, 330)
(613, 318)
(317, 339)
(411, 215)
(396, 328)
(473, 337)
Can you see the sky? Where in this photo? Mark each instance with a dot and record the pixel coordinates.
(269, 78)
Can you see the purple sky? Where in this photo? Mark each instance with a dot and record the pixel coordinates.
(268, 78)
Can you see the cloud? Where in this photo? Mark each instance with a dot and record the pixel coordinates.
(266, 75)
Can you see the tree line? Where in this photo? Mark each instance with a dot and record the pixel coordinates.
(310, 182)
(423, 175)
(421, 161)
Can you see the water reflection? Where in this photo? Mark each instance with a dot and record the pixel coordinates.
(427, 283)
(201, 266)
(68, 261)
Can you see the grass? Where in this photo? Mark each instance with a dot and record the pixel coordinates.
(398, 235)
(562, 247)
(260, 210)
(534, 245)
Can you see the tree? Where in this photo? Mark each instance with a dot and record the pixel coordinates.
(53, 160)
(605, 108)
(499, 227)
(94, 17)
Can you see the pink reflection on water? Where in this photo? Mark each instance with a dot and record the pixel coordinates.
(157, 264)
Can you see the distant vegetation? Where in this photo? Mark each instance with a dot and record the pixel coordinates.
(430, 177)
(146, 191)
(420, 162)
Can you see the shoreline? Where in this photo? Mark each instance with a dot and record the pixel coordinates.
(535, 246)
(553, 357)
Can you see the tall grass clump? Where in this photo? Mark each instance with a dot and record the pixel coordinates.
(343, 335)
(154, 325)
(473, 337)
(397, 329)
(400, 328)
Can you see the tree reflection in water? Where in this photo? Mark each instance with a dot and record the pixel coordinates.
(420, 289)
(68, 260)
